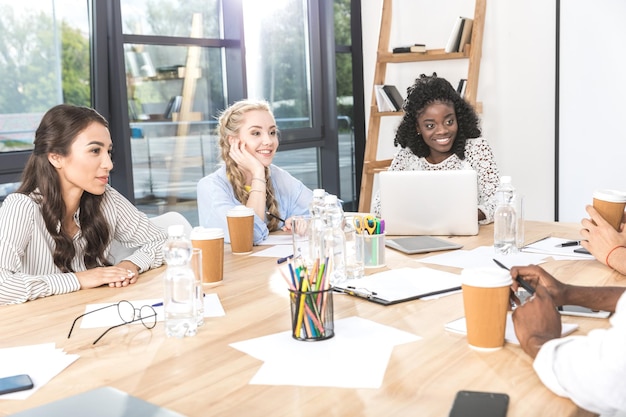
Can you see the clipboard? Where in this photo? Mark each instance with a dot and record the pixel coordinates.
(401, 285)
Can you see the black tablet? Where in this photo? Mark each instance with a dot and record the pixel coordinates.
(421, 244)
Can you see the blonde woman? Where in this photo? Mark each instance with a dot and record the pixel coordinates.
(248, 140)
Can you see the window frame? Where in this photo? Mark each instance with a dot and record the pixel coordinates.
(108, 75)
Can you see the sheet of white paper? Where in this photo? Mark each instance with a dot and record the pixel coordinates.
(402, 283)
(292, 362)
(278, 251)
(277, 239)
(481, 256)
(459, 326)
(109, 316)
(213, 306)
(42, 362)
(549, 246)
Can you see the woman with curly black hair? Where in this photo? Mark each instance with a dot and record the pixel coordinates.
(439, 131)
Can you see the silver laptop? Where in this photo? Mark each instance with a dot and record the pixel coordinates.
(441, 203)
(99, 402)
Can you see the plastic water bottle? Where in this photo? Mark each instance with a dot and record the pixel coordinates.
(317, 203)
(333, 242)
(317, 225)
(505, 219)
(179, 301)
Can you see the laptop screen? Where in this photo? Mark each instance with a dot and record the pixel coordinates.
(429, 202)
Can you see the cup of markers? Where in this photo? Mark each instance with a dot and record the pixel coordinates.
(372, 231)
(311, 300)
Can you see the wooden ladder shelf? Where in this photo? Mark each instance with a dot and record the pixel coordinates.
(472, 52)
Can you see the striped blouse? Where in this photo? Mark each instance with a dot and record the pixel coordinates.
(27, 269)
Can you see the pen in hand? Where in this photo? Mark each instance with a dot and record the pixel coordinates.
(274, 216)
(521, 281)
(567, 244)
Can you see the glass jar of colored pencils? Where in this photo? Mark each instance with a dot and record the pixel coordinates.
(312, 314)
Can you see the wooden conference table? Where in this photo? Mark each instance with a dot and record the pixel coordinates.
(203, 375)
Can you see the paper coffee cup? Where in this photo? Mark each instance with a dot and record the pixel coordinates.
(610, 204)
(211, 242)
(485, 301)
(241, 229)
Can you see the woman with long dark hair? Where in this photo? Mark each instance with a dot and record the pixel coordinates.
(56, 230)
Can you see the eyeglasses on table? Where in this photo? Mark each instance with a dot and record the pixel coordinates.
(128, 313)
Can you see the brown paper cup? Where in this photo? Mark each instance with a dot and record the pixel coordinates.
(211, 242)
(485, 301)
(610, 204)
(241, 229)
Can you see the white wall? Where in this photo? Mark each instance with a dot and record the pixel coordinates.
(516, 86)
(592, 106)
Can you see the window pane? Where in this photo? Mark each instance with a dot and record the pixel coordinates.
(45, 61)
(345, 118)
(8, 188)
(301, 163)
(158, 77)
(175, 93)
(277, 58)
(170, 18)
(342, 15)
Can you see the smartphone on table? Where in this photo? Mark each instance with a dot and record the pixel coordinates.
(479, 404)
(15, 383)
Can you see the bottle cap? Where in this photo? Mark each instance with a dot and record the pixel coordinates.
(330, 199)
(176, 230)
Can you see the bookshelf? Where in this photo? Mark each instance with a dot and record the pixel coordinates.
(472, 52)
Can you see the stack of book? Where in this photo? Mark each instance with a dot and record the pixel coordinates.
(388, 98)
(418, 47)
(461, 34)
(461, 87)
(173, 106)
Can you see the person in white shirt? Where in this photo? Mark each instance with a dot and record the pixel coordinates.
(56, 230)
(440, 132)
(591, 369)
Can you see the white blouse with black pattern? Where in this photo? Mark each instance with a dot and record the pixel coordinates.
(478, 156)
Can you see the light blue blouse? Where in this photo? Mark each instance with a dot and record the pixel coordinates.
(216, 197)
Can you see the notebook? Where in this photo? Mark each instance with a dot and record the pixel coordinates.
(99, 402)
(460, 326)
(429, 202)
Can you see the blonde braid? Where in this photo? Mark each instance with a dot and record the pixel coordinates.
(271, 203)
